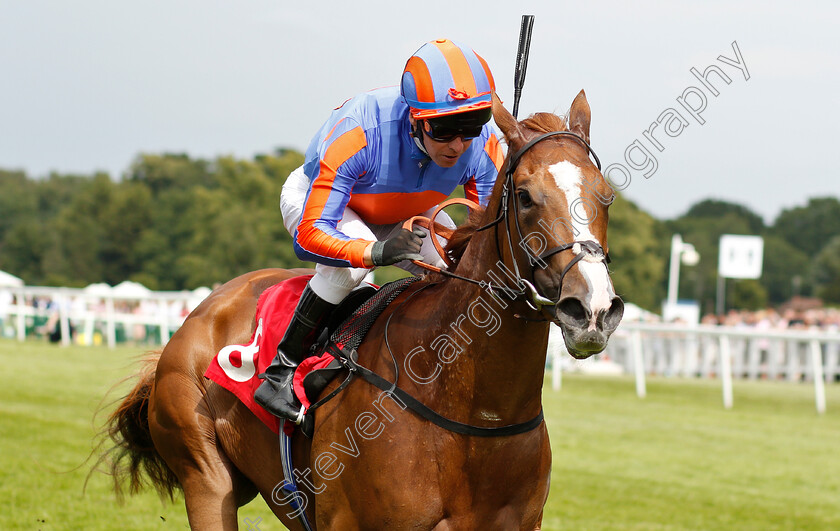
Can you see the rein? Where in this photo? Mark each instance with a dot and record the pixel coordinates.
(527, 291)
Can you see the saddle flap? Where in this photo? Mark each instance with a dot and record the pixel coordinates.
(316, 380)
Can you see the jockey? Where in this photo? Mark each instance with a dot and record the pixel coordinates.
(381, 158)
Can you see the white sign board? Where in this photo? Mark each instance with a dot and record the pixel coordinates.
(740, 256)
(687, 312)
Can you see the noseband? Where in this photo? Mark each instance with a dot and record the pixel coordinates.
(582, 249)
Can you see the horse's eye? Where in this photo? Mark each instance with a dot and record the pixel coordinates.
(524, 198)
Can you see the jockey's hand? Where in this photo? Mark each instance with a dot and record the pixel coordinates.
(404, 246)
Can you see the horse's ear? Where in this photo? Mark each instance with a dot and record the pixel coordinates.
(506, 122)
(579, 116)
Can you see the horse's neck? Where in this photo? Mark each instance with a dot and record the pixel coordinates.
(503, 354)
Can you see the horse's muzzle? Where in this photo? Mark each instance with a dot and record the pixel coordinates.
(586, 334)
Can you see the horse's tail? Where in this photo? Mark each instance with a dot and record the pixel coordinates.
(132, 452)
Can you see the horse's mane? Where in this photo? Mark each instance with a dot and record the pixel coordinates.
(541, 122)
(461, 237)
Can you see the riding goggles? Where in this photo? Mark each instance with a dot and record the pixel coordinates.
(467, 125)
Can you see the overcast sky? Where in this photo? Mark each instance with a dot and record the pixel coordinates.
(87, 85)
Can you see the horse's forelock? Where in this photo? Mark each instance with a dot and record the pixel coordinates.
(544, 122)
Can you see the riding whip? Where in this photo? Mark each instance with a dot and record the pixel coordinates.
(521, 60)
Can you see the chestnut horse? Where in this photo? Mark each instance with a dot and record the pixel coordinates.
(472, 349)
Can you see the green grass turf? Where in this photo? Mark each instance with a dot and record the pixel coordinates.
(675, 460)
(678, 460)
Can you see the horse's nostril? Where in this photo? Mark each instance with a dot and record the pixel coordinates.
(613, 316)
(571, 310)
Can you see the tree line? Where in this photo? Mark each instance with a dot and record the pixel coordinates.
(173, 222)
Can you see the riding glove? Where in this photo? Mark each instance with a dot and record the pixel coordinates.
(404, 246)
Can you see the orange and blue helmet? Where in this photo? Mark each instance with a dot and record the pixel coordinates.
(444, 78)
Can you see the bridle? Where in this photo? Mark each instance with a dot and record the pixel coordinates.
(587, 249)
(526, 292)
(580, 248)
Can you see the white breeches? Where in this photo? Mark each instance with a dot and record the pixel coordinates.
(334, 283)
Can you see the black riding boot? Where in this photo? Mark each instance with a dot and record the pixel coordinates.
(275, 394)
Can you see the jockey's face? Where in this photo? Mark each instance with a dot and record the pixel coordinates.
(443, 153)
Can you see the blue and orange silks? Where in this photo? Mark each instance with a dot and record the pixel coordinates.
(364, 157)
(444, 77)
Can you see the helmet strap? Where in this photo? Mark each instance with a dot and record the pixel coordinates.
(418, 135)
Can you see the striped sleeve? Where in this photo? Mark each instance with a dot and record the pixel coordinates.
(342, 162)
(479, 186)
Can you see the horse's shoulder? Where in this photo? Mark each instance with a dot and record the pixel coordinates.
(390, 325)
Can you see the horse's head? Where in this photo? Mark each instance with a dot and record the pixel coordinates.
(558, 215)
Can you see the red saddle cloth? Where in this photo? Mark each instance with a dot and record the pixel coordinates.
(236, 367)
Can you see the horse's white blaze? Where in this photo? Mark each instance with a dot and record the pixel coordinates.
(568, 178)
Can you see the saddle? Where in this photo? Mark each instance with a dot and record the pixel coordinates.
(346, 328)
(236, 367)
